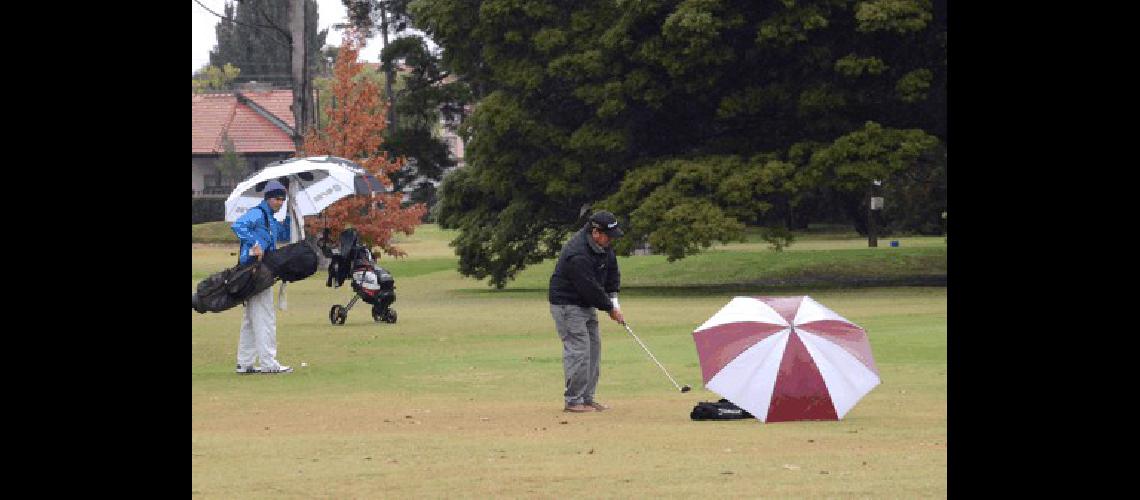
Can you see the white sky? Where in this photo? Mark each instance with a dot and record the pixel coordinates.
(329, 12)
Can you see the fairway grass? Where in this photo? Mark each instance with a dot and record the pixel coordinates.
(462, 396)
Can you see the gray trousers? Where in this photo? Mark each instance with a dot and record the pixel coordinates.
(581, 350)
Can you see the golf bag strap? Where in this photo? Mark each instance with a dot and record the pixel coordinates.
(268, 227)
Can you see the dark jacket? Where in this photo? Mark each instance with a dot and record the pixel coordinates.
(584, 277)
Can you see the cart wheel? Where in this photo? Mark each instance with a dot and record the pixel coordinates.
(377, 315)
(391, 316)
(337, 314)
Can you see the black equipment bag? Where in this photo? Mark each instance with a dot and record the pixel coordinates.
(720, 410)
(295, 261)
(340, 261)
(225, 289)
(387, 282)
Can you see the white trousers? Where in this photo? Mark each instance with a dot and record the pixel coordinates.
(258, 340)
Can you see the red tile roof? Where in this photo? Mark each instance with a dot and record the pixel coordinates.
(214, 114)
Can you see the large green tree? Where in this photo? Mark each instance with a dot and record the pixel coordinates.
(689, 117)
(425, 102)
(420, 96)
(254, 36)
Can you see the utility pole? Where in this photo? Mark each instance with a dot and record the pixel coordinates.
(300, 106)
(876, 203)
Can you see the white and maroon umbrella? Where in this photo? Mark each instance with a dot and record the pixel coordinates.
(785, 358)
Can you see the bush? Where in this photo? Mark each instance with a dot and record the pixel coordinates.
(778, 237)
(208, 210)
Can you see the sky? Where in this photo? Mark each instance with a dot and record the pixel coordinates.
(329, 12)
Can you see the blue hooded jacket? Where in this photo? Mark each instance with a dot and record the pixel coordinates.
(251, 227)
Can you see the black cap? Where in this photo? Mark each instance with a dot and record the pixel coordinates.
(606, 222)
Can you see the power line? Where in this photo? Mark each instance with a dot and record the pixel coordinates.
(254, 26)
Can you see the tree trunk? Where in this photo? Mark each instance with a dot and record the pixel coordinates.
(390, 73)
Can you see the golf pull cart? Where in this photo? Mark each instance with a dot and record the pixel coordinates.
(370, 282)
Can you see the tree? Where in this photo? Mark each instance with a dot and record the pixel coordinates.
(213, 78)
(355, 130)
(908, 164)
(323, 86)
(426, 95)
(231, 165)
(670, 108)
(678, 206)
(381, 17)
(419, 97)
(254, 35)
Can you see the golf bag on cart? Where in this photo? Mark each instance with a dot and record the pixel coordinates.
(371, 283)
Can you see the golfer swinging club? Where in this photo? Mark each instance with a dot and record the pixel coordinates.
(585, 278)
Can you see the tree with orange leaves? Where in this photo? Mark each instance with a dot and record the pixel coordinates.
(355, 130)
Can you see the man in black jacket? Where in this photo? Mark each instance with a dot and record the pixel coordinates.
(586, 278)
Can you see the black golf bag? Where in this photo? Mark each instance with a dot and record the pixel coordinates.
(720, 410)
(295, 261)
(373, 284)
(223, 290)
(226, 289)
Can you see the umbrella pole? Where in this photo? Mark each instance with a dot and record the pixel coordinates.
(654, 358)
(296, 233)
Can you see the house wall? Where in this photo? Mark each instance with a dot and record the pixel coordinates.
(201, 167)
(455, 144)
(196, 179)
(205, 169)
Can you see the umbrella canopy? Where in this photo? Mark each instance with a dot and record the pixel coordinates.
(313, 183)
(785, 358)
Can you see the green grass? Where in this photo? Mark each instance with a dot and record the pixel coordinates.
(213, 232)
(462, 396)
(819, 260)
(727, 267)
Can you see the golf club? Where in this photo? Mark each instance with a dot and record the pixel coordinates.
(686, 388)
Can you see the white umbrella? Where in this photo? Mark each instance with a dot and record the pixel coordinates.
(313, 183)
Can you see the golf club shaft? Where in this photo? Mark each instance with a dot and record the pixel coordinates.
(651, 356)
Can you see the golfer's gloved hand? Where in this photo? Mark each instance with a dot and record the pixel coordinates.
(616, 315)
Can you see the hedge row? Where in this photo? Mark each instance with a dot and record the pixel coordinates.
(208, 210)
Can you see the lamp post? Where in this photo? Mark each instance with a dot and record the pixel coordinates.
(876, 204)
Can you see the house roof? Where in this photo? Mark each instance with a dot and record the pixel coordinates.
(215, 114)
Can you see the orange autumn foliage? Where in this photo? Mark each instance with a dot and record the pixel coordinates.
(355, 131)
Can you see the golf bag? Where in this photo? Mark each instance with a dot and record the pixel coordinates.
(371, 283)
(295, 261)
(226, 289)
(720, 410)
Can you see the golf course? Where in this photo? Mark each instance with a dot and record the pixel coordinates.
(462, 396)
